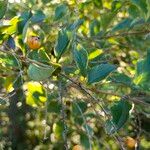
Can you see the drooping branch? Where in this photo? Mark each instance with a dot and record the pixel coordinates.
(123, 34)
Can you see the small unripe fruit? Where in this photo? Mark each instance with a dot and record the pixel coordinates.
(33, 42)
(77, 147)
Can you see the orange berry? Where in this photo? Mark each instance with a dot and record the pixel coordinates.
(130, 142)
(33, 42)
(77, 147)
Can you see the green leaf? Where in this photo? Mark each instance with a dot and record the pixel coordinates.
(142, 76)
(39, 55)
(75, 25)
(38, 17)
(107, 19)
(121, 78)
(18, 82)
(124, 24)
(148, 8)
(9, 61)
(98, 3)
(116, 5)
(3, 8)
(54, 107)
(25, 16)
(2, 101)
(81, 59)
(100, 72)
(88, 129)
(38, 73)
(141, 5)
(78, 108)
(69, 69)
(60, 11)
(2, 38)
(133, 11)
(58, 129)
(25, 30)
(85, 141)
(94, 27)
(120, 113)
(61, 44)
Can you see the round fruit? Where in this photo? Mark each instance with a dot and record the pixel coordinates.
(77, 147)
(130, 142)
(33, 42)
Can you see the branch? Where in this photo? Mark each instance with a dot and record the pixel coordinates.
(125, 97)
(124, 34)
(63, 114)
(98, 38)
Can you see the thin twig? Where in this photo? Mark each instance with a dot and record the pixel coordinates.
(97, 38)
(86, 127)
(139, 130)
(126, 97)
(63, 114)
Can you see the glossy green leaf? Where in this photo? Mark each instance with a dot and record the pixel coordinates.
(25, 16)
(100, 72)
(142, 5)
(84, 140)
(3, 8)
(75, 25)
(121, 78)
(62, 43)
(38, 73)
(39, 55)
(124, 24)
(78, 108)
(134, 11)
(81, 59)
(60, 11)
(38, 17)
(120, 113)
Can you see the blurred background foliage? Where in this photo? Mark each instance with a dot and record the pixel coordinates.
(87, 85)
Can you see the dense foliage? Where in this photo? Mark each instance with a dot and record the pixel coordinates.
(89, 82)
